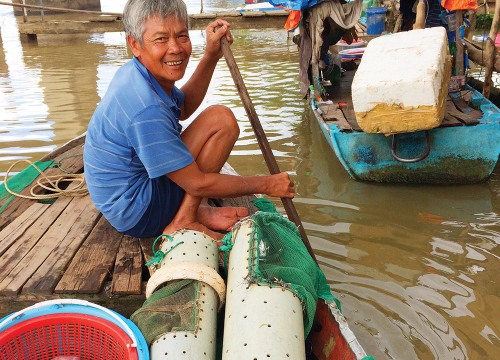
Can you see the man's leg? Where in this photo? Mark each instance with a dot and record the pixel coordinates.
(210, 139)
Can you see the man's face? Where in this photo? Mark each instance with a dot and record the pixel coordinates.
(165, 50)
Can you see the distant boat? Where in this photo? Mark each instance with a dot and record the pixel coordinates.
(463, 148)
(251, 5)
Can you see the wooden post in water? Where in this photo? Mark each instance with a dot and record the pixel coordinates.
(491, 51)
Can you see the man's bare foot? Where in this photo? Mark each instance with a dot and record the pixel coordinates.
(221, 218)
(172, 227)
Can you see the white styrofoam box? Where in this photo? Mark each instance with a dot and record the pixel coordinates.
(402, 82)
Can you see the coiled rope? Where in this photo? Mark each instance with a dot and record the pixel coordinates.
(51, 183)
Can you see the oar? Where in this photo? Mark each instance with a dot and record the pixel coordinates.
(261, 138)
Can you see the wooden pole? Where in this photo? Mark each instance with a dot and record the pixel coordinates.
(490, 51)
(25, 12)
(476, 55)
(50, 8)
(459, 58)
(420, 17)
(261, 138)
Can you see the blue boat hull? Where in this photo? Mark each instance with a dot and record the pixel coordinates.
(458, 154)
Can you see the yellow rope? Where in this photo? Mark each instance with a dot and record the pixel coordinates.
(51, 183)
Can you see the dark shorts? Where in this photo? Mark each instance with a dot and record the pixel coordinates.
(165, 201)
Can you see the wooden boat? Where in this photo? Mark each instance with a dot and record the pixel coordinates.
(68, 250)
(463, 150)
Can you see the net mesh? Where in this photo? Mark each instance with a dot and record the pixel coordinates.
(173, 307)
(279, 258)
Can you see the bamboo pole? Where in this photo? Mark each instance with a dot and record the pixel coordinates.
(490, 51)
(267, 152)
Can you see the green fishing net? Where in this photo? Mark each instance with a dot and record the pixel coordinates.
(20, 181)
(280, 258)
(169, 309)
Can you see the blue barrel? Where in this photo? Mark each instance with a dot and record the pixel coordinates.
(375, 20)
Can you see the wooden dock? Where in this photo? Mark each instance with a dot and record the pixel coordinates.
(77, 23)
(67, 249)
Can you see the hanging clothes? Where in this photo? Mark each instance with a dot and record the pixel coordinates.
(312, 36)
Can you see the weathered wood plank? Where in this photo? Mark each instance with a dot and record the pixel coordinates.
(331, 112)
(71, 161)
(93, 263)
(59, 245)
(450, 120)
(16, 229)
(462, 105)
(465, 118)
(16, 254)
(348, 112)
(128, 268)
(146, 245)
(66, 225)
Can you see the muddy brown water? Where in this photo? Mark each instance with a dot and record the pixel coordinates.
(415, 267)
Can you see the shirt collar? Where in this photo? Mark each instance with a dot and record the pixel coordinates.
(156, 85)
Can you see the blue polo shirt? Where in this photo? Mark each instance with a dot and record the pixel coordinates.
(133, 140)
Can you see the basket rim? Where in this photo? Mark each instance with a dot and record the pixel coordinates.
(118, 334)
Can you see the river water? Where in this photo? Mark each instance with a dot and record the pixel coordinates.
(414, 266)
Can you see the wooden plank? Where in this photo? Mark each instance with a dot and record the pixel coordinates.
(58, 246)
(19, 250)
(462, 105)
(449, 121)
(79, 140)
(146, 245)
(348, 112)
(67, 225)
(71, 161)
(332, 112)
(127, 276)
(465, 118)
(16, 229)
(93, 263)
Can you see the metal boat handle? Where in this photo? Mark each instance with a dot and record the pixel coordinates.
(417, 159)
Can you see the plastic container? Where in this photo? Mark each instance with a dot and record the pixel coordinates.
(375, 20)
(43, 327)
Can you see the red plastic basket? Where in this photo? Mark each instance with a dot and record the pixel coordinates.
(66, 334)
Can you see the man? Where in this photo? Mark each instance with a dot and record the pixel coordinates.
(143, 174)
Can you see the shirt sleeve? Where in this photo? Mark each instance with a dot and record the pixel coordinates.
(154, 134)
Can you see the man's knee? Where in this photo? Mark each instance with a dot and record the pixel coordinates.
(224, 117)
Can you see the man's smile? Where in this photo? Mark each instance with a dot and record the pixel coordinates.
(173, 63)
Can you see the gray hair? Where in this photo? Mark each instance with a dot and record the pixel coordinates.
(136, 13)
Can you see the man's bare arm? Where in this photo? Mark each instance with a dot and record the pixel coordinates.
(197, 183)
(196, 87)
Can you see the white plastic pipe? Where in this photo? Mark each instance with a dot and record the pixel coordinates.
(190, 255)
(260, 322)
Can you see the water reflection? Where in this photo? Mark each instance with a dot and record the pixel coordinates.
(414, 266)
(407, 260)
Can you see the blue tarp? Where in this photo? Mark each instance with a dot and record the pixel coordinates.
(296, 4)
